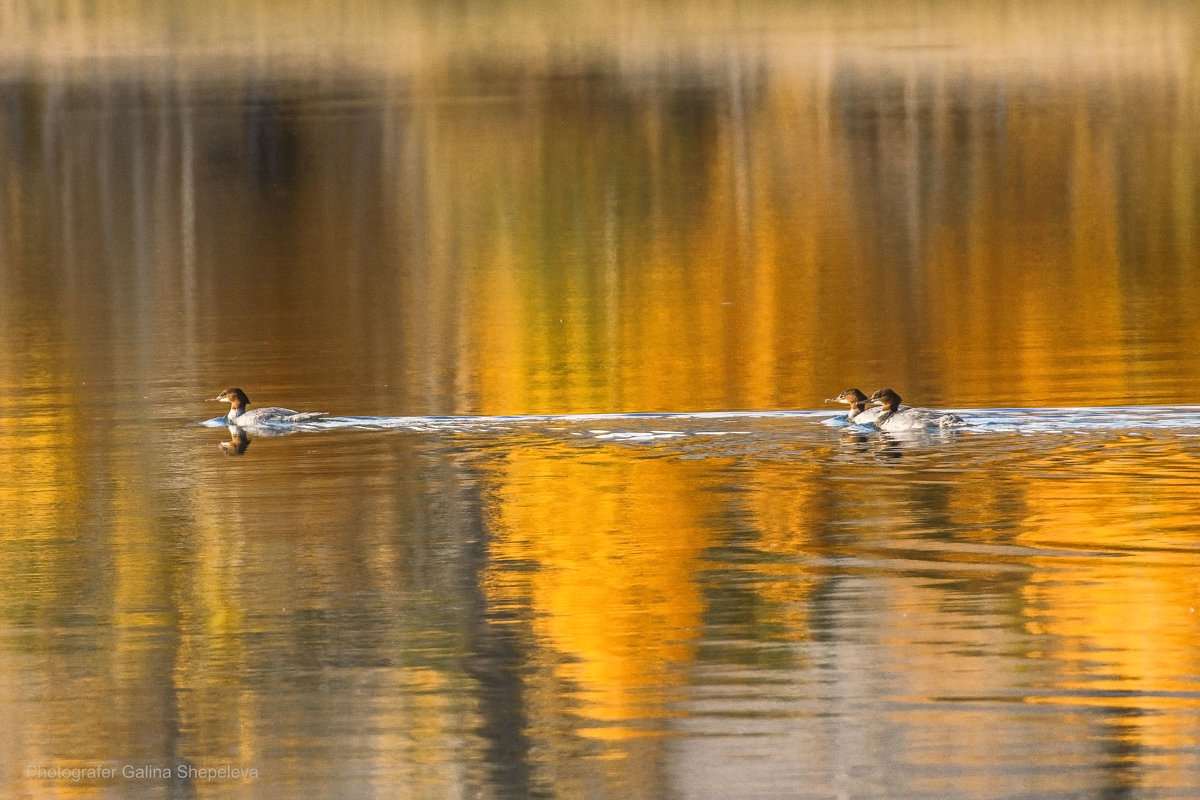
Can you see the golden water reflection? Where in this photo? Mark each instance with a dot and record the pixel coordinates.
(976, 585)
(617, 548)
(525, 241)
(382, 216)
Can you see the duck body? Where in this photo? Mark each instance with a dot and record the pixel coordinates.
(894, 417)
(241, 416)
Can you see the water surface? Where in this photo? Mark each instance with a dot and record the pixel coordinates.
(572, 290)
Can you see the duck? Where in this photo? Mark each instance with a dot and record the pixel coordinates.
(272, 415)
(859, 413)
(895, 417)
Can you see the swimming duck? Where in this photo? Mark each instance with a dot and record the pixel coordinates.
(272, 415)
(895, 417)
(859, 413)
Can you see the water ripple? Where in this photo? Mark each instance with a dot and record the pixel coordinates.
(645, 427)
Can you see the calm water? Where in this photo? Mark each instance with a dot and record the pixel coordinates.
(573, 290)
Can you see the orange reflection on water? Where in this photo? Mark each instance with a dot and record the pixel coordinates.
(757, 225)
(615, 548)
(1115, 603)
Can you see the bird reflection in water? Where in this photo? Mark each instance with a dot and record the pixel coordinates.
(238, 441)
